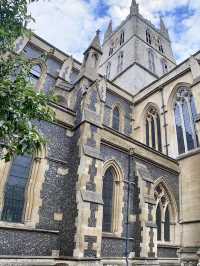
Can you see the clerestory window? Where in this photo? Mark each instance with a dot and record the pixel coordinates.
(185, 114)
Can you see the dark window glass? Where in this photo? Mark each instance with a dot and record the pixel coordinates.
(159, 134)
(153, 133)
(35, 74)
(14, 194)
(188, 126)
(148, 37)
(194, 113)
(158, 222)
(147, 132)
(179, 130)
(116, 119)
(108, 183)
(122, 38)
(167, 225)
(110, 51)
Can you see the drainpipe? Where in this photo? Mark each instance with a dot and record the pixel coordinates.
(165, 122)
(129, 182)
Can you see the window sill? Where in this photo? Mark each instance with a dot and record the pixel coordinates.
(189, 153)
(24, 227)
(111, 235)
(167, 245)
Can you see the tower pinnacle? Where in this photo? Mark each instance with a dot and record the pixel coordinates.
(134, 9)
(108, 31)
(163, 28)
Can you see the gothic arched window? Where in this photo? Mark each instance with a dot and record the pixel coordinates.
(158, 222)
(116, 118)
(148, 36)
(120, 62)
(110, 51)
(167, 225)
(35, 74)
(122, 38)
(108, 70)
(185, 114)
(153, 129)
(15, 188)
(108, 186)
(160, 47)
(151, 61)
(164, 221)
(164, 66)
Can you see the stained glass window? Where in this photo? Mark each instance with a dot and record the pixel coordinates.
(108, 188)
(116, 119)
(14, 194)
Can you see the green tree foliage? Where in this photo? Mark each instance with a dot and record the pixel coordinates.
(20, 103)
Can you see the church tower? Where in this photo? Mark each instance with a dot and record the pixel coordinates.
(136, 53)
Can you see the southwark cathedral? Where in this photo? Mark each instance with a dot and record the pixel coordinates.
(118, 182)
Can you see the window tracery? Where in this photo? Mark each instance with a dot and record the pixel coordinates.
(185, 114)
(163, 214)
(153, 129)
(148, 36)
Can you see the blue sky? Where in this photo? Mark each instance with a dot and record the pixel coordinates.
(71, 24)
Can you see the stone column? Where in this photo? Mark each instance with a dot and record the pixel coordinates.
(195, 71)
(148, 246)
(90, 172)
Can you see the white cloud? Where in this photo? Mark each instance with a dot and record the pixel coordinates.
(71, 24)
(67, 24)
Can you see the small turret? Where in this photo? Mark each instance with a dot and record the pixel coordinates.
(163, 28)
(108, 31)
(92, 58)
(134, 9)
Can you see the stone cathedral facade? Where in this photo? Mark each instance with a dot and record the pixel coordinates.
(118, 182)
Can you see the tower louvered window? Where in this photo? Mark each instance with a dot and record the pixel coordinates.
(122, 38)
(151, 59)
(148, 36)
(120, 62)
(185, 114)
(15, 188)
(153, 129)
